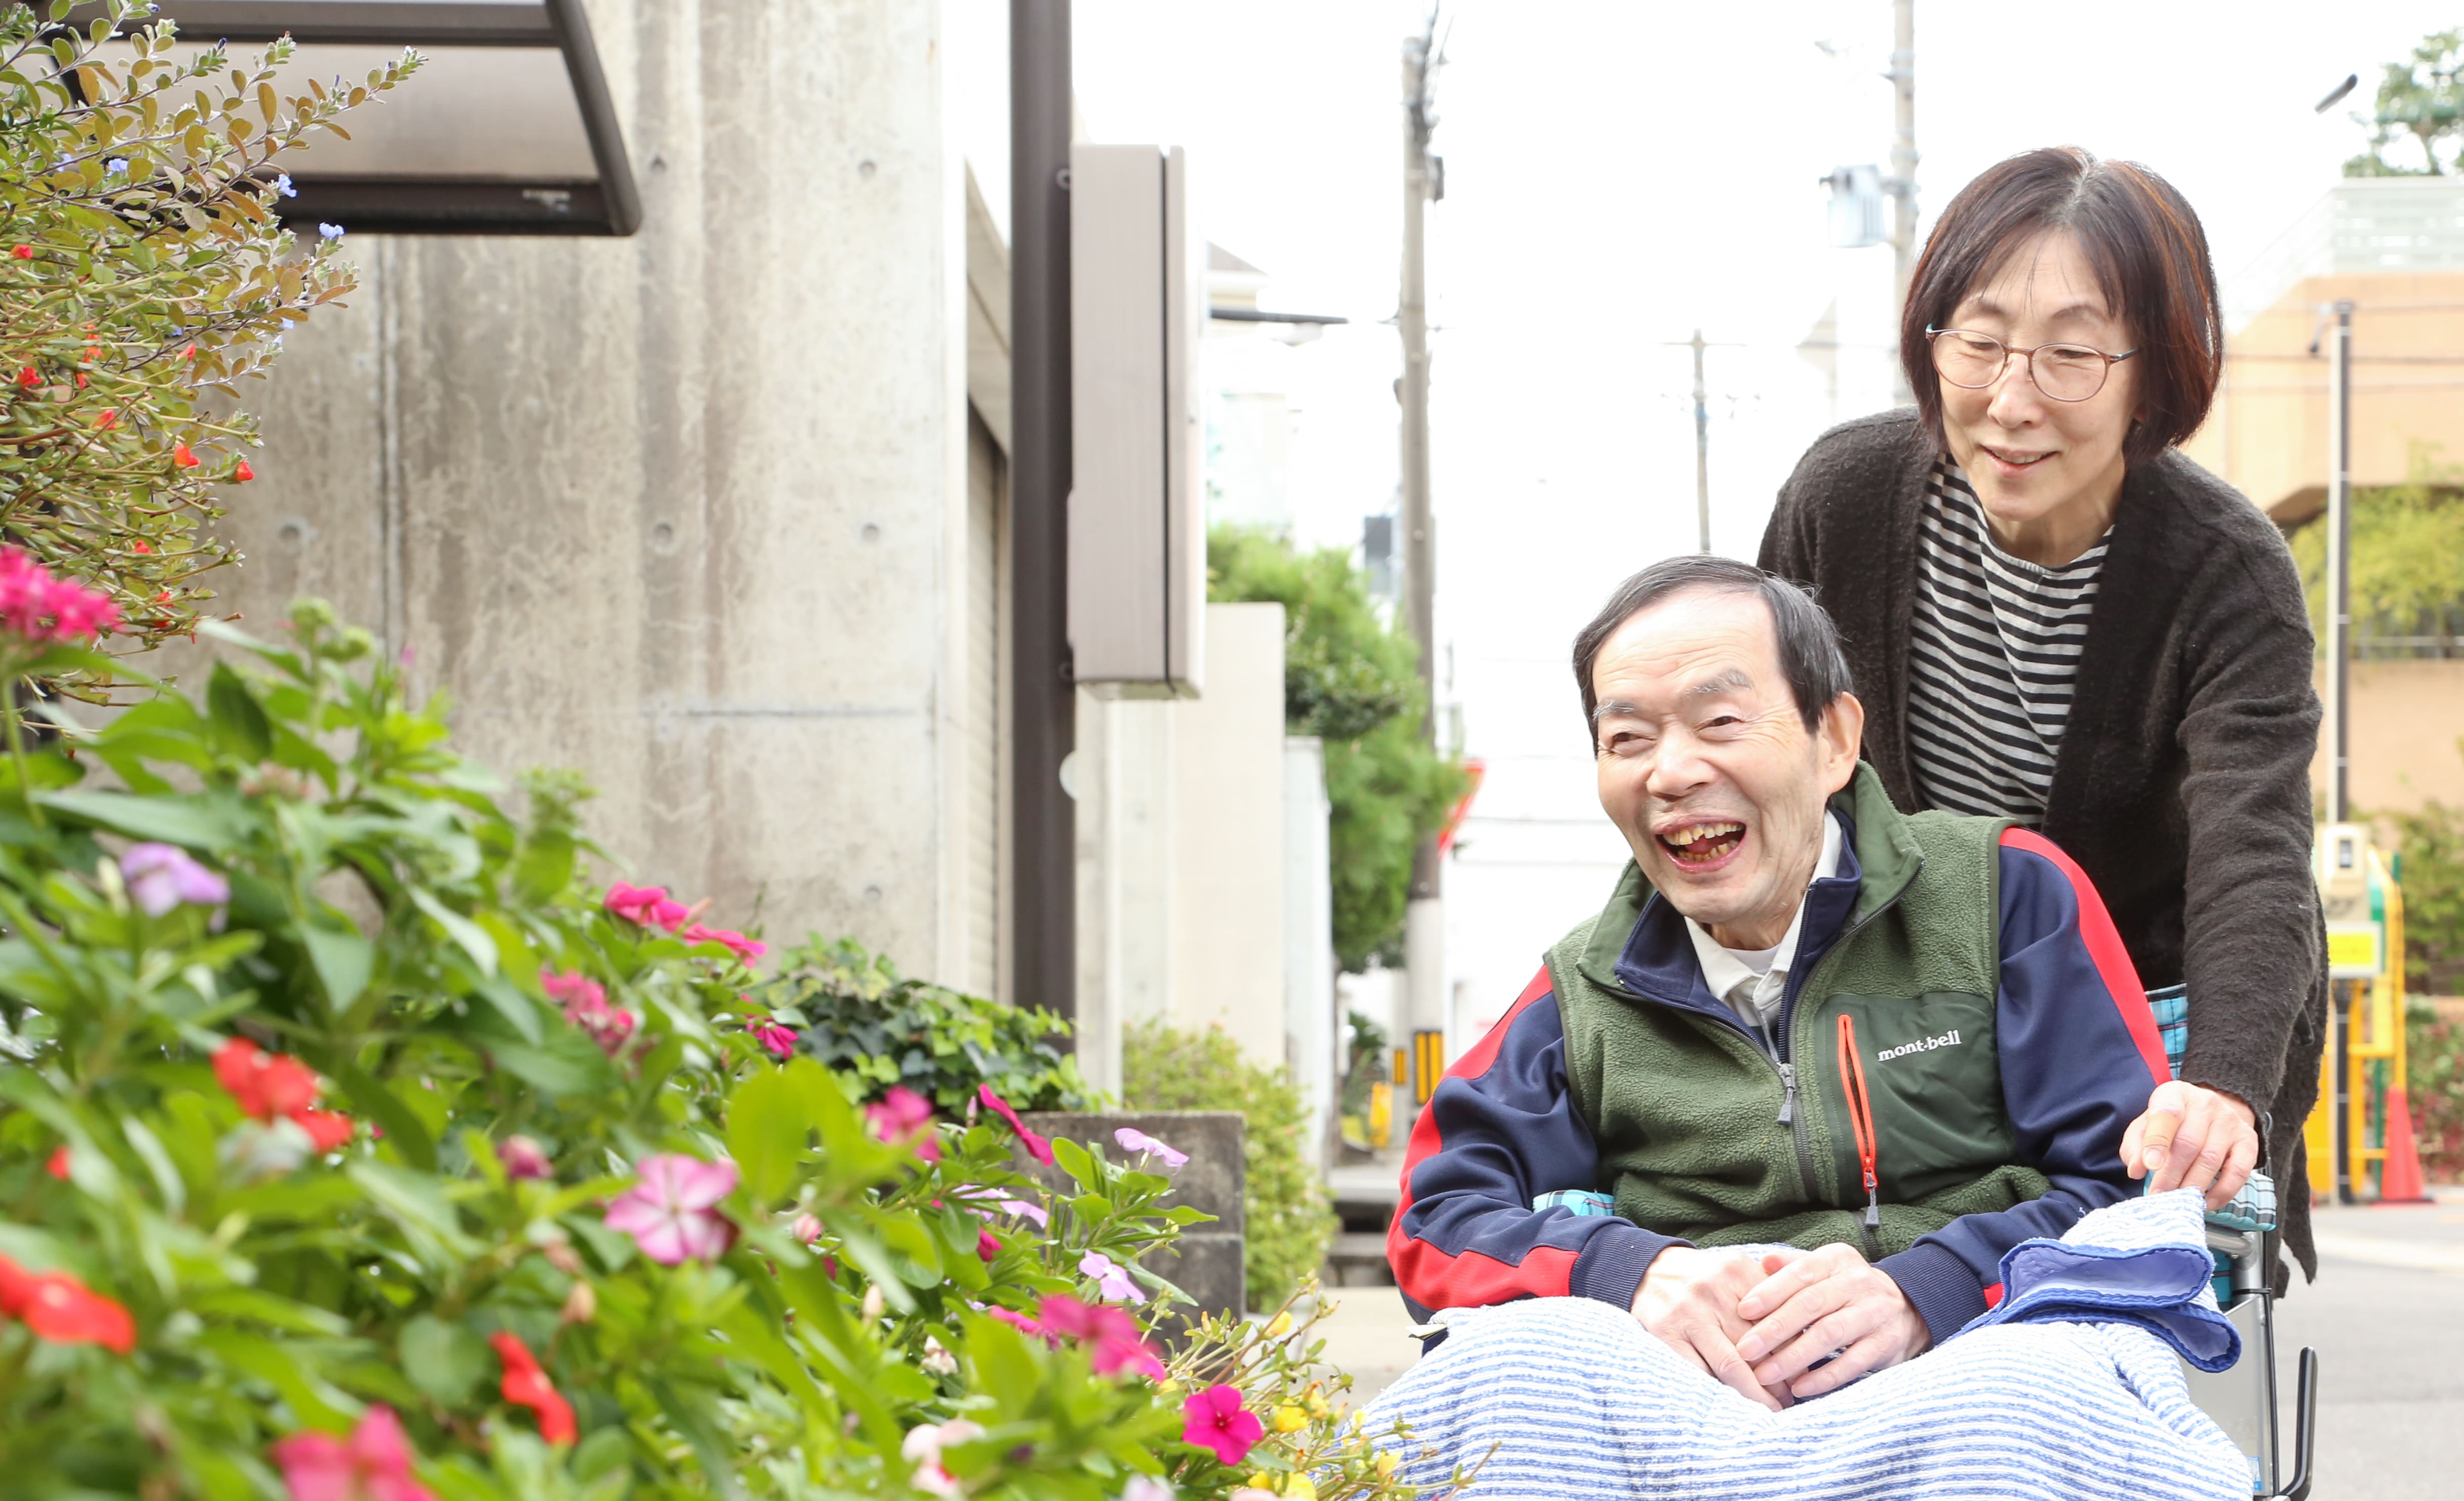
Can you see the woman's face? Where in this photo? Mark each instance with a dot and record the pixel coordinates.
(2042, 468)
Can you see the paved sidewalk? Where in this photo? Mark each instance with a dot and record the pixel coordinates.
(2387, 1317)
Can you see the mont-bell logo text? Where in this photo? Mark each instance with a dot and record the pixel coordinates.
(1949, 1040)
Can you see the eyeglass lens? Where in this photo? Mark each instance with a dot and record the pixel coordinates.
(2064, 372)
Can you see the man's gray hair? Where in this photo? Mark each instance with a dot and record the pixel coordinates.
(1809, 643)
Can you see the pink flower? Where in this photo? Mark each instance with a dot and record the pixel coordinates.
(372, 1465)
(779, 1040)
(806, 1226)
(35, 605)
(904, 1118)
(1112, 1338)
(1025, 1211)
(1133, 1140)
(524, 1158)
(80, 614)
(1037, 1147)
(987, 1245)
(924, 1445)
(1112, 1278)
(649, 905)
(1217, 1421)
(162, 876)
(1023, 1324)
(670, 1212)
(585, 1004)
(742, 947)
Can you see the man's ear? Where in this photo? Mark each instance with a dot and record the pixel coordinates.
(1837, 739)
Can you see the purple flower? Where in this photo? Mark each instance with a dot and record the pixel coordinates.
(329, 231)
(1112, 1278)
(1133, 1140)
(524, 1158)
(282, 185)
(161, 876)
(670, 1212)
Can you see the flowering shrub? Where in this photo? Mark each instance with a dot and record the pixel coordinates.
(143, 274)
(351, 1147)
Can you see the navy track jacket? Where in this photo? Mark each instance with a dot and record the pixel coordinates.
(2079, 1054)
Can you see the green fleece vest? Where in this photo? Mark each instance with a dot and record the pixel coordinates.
(1687, 1110)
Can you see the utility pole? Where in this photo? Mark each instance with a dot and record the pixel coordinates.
(1424, 919)
(1702, 447)
(1043, 707)
(2340, 551)
(1902, 186)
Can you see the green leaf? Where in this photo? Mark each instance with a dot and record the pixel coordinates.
(239, 720)
(520, 1010)
(766, 1130)
(265, 1308)
(343, 961)
(544, 868)
(444, 1359)
(1072, 1159)
(188, 820)
(469, 936)
(403, 1129)
(567, 1063)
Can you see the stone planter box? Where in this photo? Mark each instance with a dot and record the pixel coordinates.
(1207, 1263)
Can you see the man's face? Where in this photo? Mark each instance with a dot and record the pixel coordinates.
(1706, 767)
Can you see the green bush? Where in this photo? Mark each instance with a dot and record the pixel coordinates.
(337, 1103)
(1290, 1222)
(2434, 1067)
(875, 1029)
(2429, 842)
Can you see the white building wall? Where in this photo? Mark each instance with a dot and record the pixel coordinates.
(1228, 866)
(1310, 1029)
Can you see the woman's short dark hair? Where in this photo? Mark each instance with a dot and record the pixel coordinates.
(1809, 657)
(2151, 263)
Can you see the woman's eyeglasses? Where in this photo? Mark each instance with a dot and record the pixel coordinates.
(2064, 371)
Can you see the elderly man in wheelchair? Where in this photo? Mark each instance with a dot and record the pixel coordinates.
(1821, 1087)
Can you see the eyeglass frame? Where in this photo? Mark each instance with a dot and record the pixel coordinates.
(1933, 346)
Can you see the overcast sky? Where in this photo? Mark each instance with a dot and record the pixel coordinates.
(1617, 176)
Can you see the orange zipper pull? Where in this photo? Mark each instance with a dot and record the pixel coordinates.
(1861, 1118)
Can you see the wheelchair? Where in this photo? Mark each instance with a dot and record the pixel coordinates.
(2242, 1237)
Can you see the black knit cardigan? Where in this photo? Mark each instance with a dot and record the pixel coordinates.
(2182, 785)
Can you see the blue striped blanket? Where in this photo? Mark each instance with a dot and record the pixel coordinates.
(2071, 1389)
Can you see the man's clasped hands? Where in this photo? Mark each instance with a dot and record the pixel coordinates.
(1759, 1320)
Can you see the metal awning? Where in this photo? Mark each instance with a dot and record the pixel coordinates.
(507, 129)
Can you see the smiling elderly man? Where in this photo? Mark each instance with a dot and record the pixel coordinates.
(1884, 1048)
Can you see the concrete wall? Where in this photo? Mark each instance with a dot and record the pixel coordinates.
(1227, 899)
(685, 511)
(2408, 720)
(1309, 1031)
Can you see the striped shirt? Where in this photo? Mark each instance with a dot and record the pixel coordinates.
(1994, 650)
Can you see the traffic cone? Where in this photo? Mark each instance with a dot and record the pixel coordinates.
(2400, 1173)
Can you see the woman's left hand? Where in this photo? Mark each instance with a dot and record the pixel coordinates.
(2193, 1138)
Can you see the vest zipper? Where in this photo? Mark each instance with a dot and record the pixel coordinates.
(1860, 1119)
(1788, 1021)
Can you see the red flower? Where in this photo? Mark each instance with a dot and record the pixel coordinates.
(1037, 1147)
(59, 1308)
(241, 474)
(80, 381)
(30, 378)
(110, 418)
(189, 353)
(58, 1166)
(270, 1084)
(141, 544)
(526, 1385)
(1216, 1420)
(23, 252)
(185, 457)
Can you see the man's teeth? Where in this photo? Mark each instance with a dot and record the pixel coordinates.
(1701, 831)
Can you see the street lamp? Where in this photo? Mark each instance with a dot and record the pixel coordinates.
(509, 128)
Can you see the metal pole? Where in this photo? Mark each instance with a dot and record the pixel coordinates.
(1424, 932)
(2340, 554)
(1904, 173)
(1043, 935)
(1702, 449)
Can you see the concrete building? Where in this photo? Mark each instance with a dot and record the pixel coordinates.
(718, 516)
(714, 513)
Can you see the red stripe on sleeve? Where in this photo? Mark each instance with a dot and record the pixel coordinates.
(2103, 947)
(1994, 1295)
(1471, 1279)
